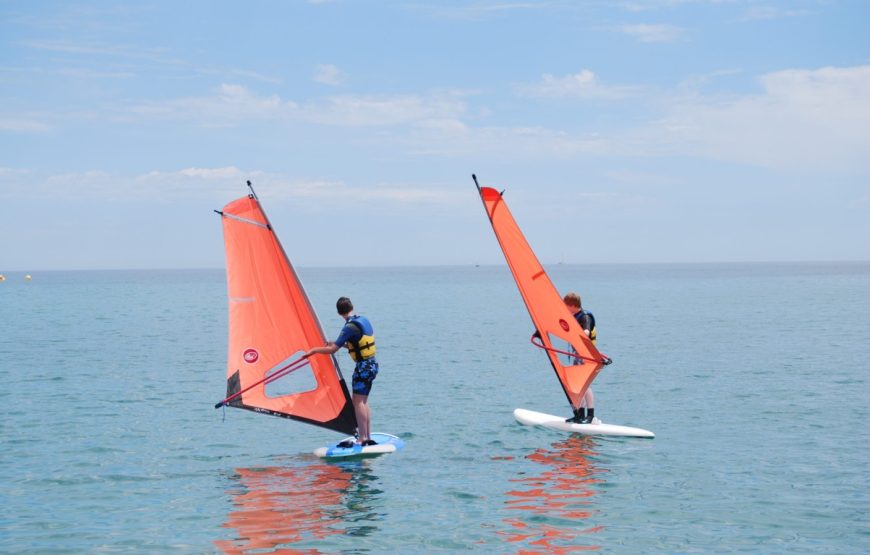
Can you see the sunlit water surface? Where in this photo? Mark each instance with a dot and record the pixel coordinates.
(753, 377)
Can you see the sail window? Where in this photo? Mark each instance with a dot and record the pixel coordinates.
(298, 381)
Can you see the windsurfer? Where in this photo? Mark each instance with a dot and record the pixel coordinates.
(357, 335)
(585, 413)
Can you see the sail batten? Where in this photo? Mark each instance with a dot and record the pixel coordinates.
(548, 312)
(245, 220)
(271, 321)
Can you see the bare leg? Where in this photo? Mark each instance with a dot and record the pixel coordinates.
(589, 403)
(588, 399)
(363, 415)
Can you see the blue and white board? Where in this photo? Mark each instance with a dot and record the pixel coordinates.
(386, 443)
(532, 418)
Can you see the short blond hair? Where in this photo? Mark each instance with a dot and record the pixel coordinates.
(573, 299)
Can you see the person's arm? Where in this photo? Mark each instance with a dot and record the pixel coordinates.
(329, 349)
(332, 346)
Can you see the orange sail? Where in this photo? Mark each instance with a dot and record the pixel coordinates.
(271, 326)
(549, 314)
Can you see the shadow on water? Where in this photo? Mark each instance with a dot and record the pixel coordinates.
(284, 509)
(554, 508)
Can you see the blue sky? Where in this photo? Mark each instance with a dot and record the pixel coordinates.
(622, 131)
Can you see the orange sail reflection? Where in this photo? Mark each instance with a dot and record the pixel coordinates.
(558, 502)
(276, 507)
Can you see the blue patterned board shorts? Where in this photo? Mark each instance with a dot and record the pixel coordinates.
(363, 375)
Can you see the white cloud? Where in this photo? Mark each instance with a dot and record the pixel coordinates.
(801, 120)
(240, 96)
(757, 13)
(479, 10)
(236, 104)
(155, 186)
(653, 33)
(97, 60)
(328, 74)
(639, 178)
(230, 172)
(647, 5)
(383, 110)
(695, 82)
(232, 73)
(70, 47)
(332, 192)
(515, 142)
(592, 199)
(804, 119)
(22, 125)
(446, 126)
(13, 172)
(233, 104)
(584, 84)
(87, 51)
(206, 184)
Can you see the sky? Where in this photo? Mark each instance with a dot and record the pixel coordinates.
(635, 131)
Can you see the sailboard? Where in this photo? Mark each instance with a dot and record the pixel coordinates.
(386, 443)
(551, 318)
(534, 418)
(271, 326)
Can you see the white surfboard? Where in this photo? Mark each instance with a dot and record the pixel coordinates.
(532, 418)
(386, 443)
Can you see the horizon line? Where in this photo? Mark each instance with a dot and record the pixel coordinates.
(452, 265)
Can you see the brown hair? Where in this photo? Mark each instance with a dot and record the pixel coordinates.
(344, 306)
(573, 299)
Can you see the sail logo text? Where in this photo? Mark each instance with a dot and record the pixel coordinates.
(251, 356)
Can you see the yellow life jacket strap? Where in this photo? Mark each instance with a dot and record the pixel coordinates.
(357, 348)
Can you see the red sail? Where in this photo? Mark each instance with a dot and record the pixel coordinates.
(549, 314)
(271, 325)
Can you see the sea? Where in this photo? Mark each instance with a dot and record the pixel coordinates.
(754, 378)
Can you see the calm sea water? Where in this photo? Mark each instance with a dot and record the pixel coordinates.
(754, 378)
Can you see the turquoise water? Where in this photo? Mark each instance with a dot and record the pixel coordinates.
(754, 378)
